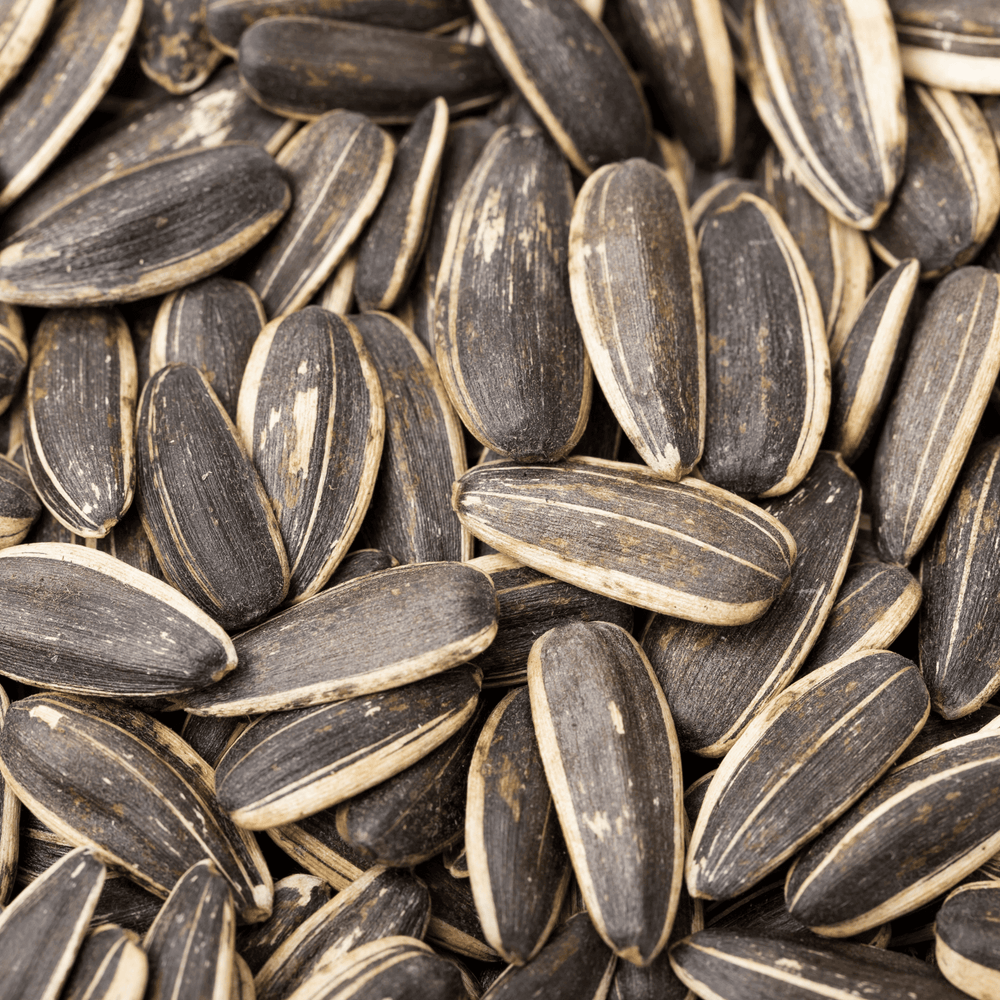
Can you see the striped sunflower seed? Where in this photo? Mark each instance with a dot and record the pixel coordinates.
(768, 364)
(303, 67)
(80, 418)
(19, 505)
(75, 619)
(99, 247)
(202, 503)
(78, 57)
(616, 783)
(518, 867)
(636, 287)
(965, 939)
(265, 779)
(950, 369)
(507, 341)
(192, 943)
(948, 200)
(338, 168)
(13, 353)
(454, 922)
(22, 27)
(175, 50)
(314, 844)
(826, 80)
(687, 549)
(812, 752)
(43, 929)
(391, 247)
(96, 772)
(110, 965)
(312, 418)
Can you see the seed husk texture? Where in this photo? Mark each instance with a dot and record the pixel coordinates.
(454, 922)
(23, 24)
(175, 50)
(110, 965)
(13, 353)
(314, 844)
(965, 939)
(19, 504)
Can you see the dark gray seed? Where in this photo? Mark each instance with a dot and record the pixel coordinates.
(265, 779)
(417, 814)
(950, 369)
(636, 287)
(69, 72)
(768, 364)
(110, 965)
(721, 195)
(305, 66)
(191, 945)
(454, 921)
(392, 244)
(314, 844)
(432, 616)
(616, 781)
(43, 929)
(508, 345)
(312, 418)
(128, 542)
(866, 358)
(212, 325)
(570, 70)
(10, 821)
(938, 730)
(716, 679)
(202, 504)
(23, 24)
(359, 563)
(518, 866)
(530, 603)
(382, 903)
(966, 939)
(80, 418)
(948, 200)
(13, 353)
(918, 832)
(827, 83)
(19, 504)
(96, 772)
(147, 230)
(337, 168)
(688, 548)
(210, 736)
(76, 619)
(409, 514)
(175, 50)
(804, 760)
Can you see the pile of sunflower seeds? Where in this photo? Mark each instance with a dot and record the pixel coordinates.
(499, 499)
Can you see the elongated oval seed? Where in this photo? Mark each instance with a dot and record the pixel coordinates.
(80, 418)
(804, 760)
(76, 619)
(202, 503)
(110, 965)
(19, 505)
(100, 246)
(965, 939)
(687, 549)
(312, 418)
(636, 287)
(96, 772)
(174, 48)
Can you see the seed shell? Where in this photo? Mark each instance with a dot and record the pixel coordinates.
(827, 82)
(409, 514)
(211, 736)
(13, 353)
(10, 822)
(43, 929)
(19, 505)
(951, 366)
(80, 418)
(361, 562)
(174, 48)
(812, 752)
(125, 768)
(454, 922)
(965, 939)
(212, 325)
(507, 342)
(303, 67)
(919, 831)
(76, 60)
(202, 503)
(573, 75)
(716, 679)
(314, 844)
(948, 200)
(636, 288)
(265, 779)
(141, 232)
(687, 549)
(390, 249)
(312, 418)
(768, 364)
(192, 943)
(720, 195)
(110, 966)
(518, 866)
(23, 24)
(616, 783)
(337, 168)
(938, 730)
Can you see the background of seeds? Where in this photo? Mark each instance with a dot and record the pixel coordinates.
(499, 499)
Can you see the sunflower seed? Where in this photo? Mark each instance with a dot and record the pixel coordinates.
(966, 939)
(636, 287)
(13, 353)
(314, 844)
(95, 773)
(110, 965)
(174, 48)
(147, 230)
(312, 418)
(22, 28)
(19, 505)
